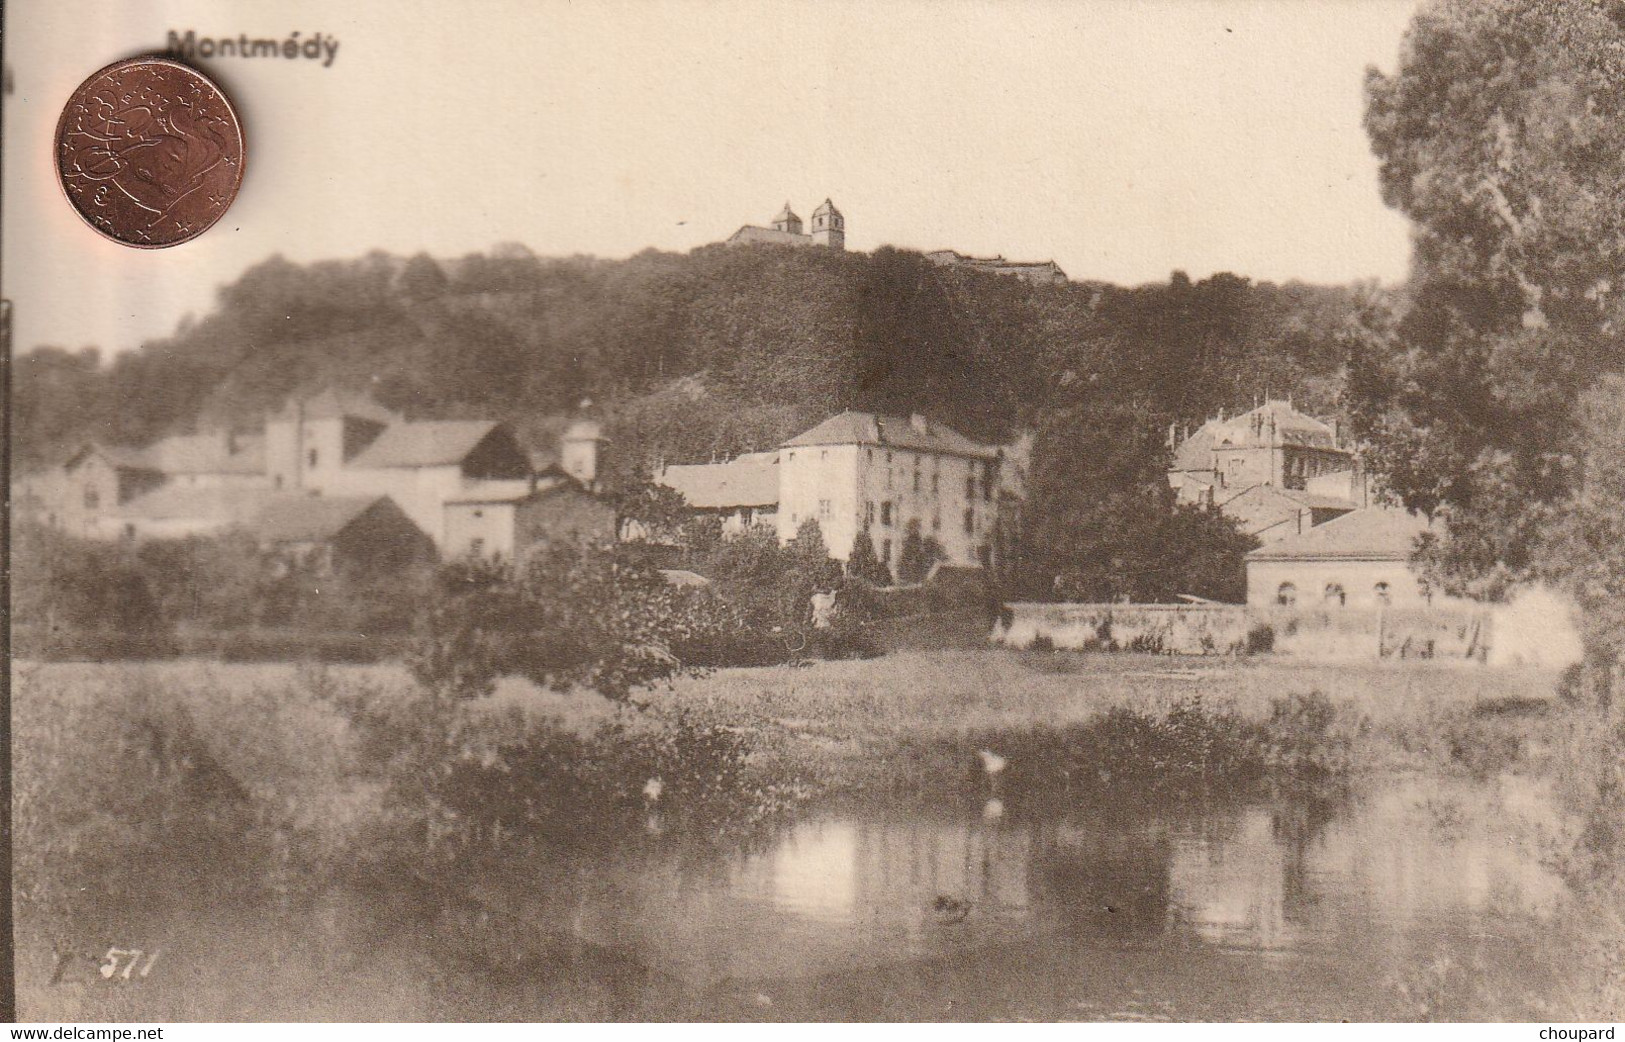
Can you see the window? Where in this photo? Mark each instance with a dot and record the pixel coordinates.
(936, 483)
(868, 513)
(93, 498)
(823, 454)
(885, 512)
(1384, 594)
(824, 510)
(792, 457)
(885, 551)
(1335, 595)
(970, 486)
(476, 546)
(129, 531)
(279, 481)
(970, 520)
(916, 481)
(869, 455)
(479, 513)
(1286, 595)
(987, 483)
(936, 522)
(313, 457)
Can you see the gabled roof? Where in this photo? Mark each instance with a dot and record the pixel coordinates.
(328, 404)
(1310, 500)
(1371, 534)
(208, 453)
(913, 433)
(1273, 423)
(749, 481)
(225, 506)
(1196, 451)
(426, 443)
(825, 207)
(119, 456)
(292, 518)
(786, 214)
(751, 233)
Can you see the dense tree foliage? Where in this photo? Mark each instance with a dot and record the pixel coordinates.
(1106, 526)
(717, 352)
(1502, 137)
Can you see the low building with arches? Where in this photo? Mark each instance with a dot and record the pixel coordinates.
(1360, 561)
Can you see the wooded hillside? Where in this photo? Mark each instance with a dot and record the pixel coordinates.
(711, 352)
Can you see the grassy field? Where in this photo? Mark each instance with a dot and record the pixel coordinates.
(250, 783)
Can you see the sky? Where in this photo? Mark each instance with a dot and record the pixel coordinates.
(1125, 140)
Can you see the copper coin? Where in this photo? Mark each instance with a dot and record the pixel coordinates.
(149, 152)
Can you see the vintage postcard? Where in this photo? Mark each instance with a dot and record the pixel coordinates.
(985, 510)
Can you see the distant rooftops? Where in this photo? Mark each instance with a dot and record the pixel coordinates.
(1370, 534)
(915, 433)
(1275, 423)
(828, 229)
(215, 452)
(328, 404)
(1042, 272)
(751, 480)
(425, 443)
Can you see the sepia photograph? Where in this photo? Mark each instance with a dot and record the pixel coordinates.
(785, 511)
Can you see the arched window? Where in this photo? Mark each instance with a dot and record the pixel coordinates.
(1383, 593)
(1335, 594)
(1286, 595)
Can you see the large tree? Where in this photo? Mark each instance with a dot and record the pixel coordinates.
(1502, 137)
(1103, 523)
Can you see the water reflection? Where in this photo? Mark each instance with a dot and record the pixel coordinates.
(1365, 887)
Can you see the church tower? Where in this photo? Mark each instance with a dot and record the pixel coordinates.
(828, 226)
(787, 221)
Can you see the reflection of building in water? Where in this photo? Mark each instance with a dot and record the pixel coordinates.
(1231, 889)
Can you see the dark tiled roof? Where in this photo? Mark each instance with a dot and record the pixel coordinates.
(1370, 534)
(751, 233)
(863, 428)
(288, 518)
(224, 505)
(431, 443)
(749, 481)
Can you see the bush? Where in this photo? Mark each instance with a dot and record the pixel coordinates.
(573, 616)
(460, 778)
(1261, 639)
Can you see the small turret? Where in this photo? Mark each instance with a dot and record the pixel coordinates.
(828, 226)
(579, 450)
(787, 221)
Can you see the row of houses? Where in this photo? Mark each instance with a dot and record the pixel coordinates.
(339, 474)
(332, 473)
(1289, 480)
(857, 471)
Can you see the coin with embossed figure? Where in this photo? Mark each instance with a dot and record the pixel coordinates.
(149, 152)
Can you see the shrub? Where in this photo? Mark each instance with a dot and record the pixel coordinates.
(1261, 639)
